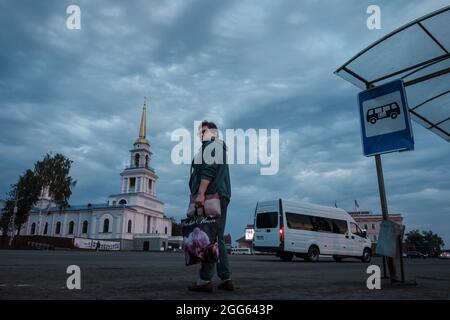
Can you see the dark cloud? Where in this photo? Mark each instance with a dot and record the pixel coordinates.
(240, 64)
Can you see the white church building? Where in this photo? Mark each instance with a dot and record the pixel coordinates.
(134, 217)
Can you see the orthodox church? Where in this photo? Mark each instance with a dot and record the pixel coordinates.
(134, 217)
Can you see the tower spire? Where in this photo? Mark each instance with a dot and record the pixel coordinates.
(143, 128)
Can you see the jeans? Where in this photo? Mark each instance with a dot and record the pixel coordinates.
(223, 266)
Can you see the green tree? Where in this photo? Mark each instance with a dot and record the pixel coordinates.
(7, 213)
(27, 194)
(50, 174)
(433, 242)
(53, 175)
(425, 241)
(176, 228)
(415, 240)
(24, 194)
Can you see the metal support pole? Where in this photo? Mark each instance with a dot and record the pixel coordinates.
(384, 211)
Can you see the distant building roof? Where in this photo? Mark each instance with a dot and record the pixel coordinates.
(371, 215)
(361, 217)
(359, 212)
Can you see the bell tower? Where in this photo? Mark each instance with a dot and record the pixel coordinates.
(139, 176)
(140, 154)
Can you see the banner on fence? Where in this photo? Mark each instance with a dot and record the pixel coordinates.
(83, 243)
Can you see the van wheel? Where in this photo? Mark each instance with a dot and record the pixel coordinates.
(337, 259)
(313, 254)
(367, 255)
(373, 120)
(394, 115)
(286, 256)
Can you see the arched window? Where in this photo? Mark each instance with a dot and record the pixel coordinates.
(165, 230)
(146, 161)
(85, 227)
(123, 201)
(106, 226)
(46, 228)
(33, 228)
(71, 227)
(136, 160)
(129, 226)
(58, 228)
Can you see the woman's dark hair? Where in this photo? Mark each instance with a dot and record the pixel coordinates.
(209, 124)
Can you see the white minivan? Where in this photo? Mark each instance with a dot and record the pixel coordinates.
(308, 230)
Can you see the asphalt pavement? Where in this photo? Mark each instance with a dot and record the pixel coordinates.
(163, 275)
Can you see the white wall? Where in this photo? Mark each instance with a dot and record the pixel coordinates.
(118, 223)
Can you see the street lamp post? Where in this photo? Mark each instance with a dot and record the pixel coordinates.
(12, 222)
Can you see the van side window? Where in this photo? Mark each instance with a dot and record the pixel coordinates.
(266, 220)
(321, 224)
(313, 223)
(340, 226)
(299, 221)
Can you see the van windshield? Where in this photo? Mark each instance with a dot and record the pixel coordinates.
(267, 220)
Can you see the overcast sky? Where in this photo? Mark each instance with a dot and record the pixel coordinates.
(243, 64)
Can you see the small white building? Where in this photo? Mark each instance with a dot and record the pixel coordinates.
(134, 217)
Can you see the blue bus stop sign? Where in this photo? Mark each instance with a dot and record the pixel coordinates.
(385, 121)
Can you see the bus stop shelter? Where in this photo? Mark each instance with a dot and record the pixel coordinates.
(417, 53)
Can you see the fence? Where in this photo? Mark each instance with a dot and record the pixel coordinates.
(37, 242)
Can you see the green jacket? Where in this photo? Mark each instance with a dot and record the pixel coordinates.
(211, 169)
